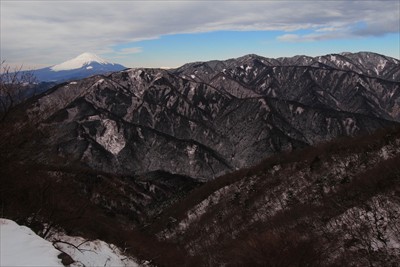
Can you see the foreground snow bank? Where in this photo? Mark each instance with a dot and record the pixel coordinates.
(91, 252)
(20, 246)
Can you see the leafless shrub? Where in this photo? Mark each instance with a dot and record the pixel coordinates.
(13, 84)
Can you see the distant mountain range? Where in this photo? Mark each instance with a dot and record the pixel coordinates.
(205, 119)
(84, 65)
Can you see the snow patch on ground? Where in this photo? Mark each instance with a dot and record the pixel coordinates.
(385, 152)
(381, 65)
(191, 92)
(99, 82)
(191, 151)
(264, 104)
(299, 110)
(350, 125)
(20, 246)
(91, 252)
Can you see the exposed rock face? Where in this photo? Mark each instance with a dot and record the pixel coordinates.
(205, 119)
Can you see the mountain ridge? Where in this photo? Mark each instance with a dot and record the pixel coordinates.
(211, 118)
(303, 60)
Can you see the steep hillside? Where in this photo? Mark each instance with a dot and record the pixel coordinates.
(333, 205)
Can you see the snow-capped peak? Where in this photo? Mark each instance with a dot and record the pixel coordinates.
(78, 62)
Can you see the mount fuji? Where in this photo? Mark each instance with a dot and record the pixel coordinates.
(82, 66)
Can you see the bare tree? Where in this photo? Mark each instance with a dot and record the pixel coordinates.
(13, 84)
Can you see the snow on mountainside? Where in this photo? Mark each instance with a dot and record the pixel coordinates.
(79, 62)
(20, 246)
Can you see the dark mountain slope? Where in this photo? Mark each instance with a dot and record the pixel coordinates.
(335, 204)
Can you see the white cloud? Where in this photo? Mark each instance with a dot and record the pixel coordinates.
(129, 50)
(312, 37)
(329, 29)
(48, 32)
(289, 37)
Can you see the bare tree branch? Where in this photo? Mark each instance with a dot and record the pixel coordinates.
(13, 84)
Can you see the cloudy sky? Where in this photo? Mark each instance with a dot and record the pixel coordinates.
(170, 33)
